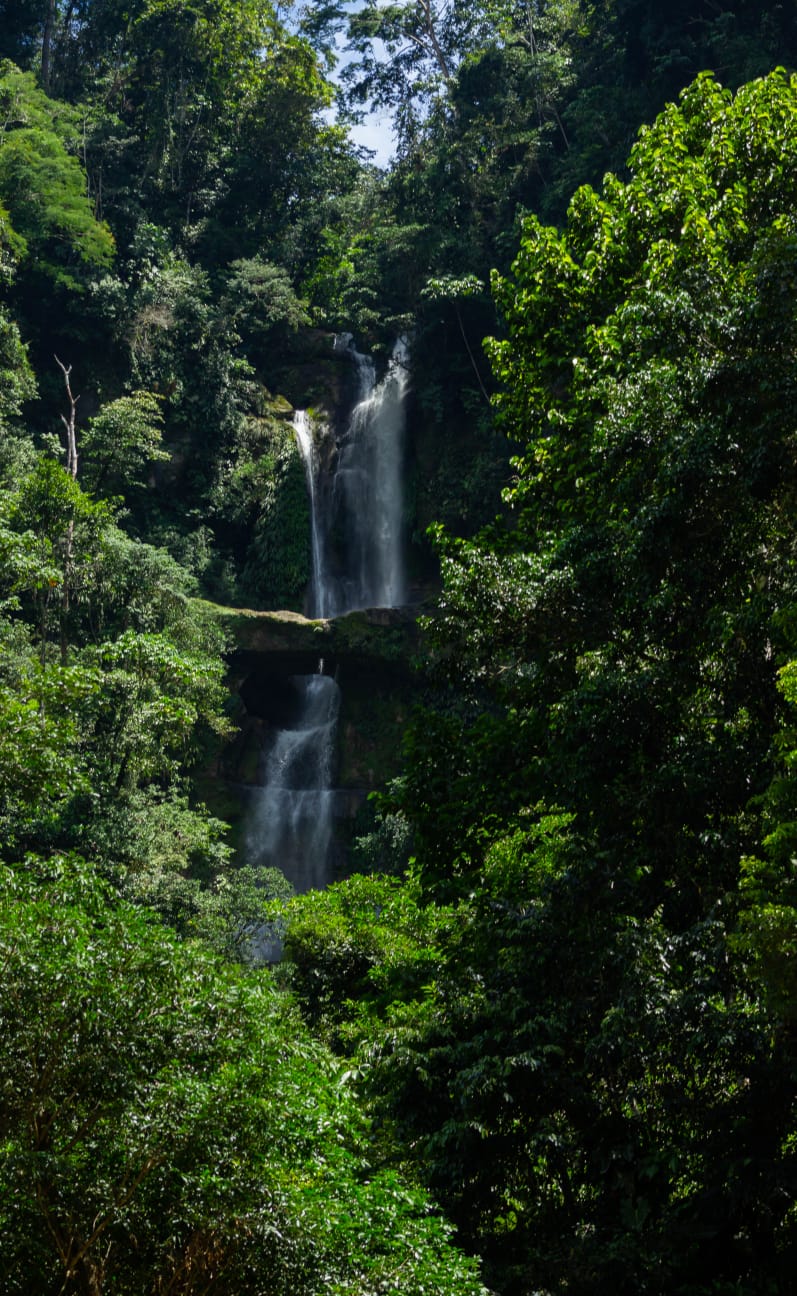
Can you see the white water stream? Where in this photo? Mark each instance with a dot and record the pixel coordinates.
(318, 582)
(291, 823)
(357, 506)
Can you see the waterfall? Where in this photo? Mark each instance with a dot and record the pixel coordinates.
(291, 823)
(357, 562)
(356, 507)
(318, 583)
(367, 504)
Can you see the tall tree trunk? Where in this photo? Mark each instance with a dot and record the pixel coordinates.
(69, 423)
(47, 44)
(71, 467)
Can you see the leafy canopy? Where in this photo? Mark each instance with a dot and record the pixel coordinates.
(165, 1121)
(594, 1082)
(43, 185)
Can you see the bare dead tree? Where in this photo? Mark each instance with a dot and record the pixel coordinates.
(71, 467)
(69, 423)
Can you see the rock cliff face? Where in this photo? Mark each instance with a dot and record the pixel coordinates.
(371, 654)
(306, 750)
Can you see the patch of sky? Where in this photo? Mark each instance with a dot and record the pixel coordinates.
(375, 131)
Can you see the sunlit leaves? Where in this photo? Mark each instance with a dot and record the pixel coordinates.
(166, 1121)
(121, 441)
(17, 383)
(365, 940)
(43, 185)
(156, 700)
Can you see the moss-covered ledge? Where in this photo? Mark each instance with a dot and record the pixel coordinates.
(389, 636)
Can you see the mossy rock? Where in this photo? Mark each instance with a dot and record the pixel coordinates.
(280, 407)
(386, 635)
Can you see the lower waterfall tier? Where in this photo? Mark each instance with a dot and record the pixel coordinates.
(290, 818)
(371, 657)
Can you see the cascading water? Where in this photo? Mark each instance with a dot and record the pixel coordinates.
(318, 582)
(367, 495)
(356, 516)
(356, 508)
(291, 823)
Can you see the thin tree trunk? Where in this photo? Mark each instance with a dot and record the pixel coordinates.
(47, 44)
(431, 41)
(470, 353)
(71, 467)
(69, 423)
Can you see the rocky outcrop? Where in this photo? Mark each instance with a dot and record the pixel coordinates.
(317, 374)
(388, 636)
(373, 656)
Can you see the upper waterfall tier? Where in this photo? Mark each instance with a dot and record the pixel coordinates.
(357, 502)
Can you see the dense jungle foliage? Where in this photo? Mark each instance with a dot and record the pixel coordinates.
(545, 1040)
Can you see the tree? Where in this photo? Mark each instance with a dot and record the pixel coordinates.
(157, 700)
(17, 385)
(261, 303)
(42, 765)
(646, 376)
(43, 184)
(767, 935)
(364, 943)
(68, 528)
(121, 441)
(167, 1125)
(592, 1040)
(95, 747)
